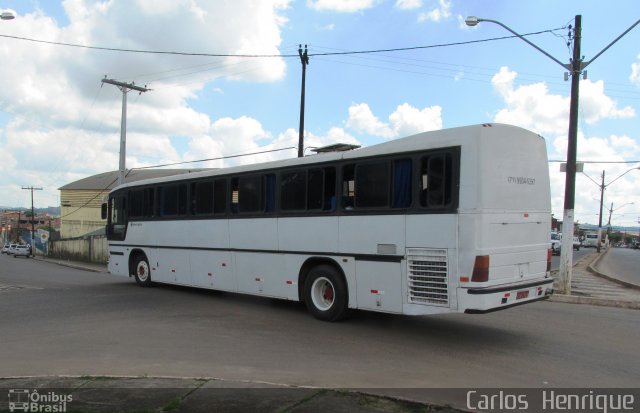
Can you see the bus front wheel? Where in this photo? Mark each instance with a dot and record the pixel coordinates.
(141, 271)
(325, 294)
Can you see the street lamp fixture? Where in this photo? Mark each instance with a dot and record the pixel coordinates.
(7, 15)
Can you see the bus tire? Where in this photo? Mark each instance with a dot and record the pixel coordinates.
(325, 293)
(141, 271)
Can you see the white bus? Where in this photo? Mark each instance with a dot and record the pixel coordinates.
(454, 220)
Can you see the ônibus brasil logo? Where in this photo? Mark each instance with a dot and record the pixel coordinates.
(23, 400)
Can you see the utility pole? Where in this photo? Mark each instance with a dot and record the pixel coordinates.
(33, 231)
(18, 228)
(124, 87)
(566, 256)
(602, 186)
(576, 67)
(304, 59)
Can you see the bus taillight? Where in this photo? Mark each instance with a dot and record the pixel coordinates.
(481, 269)
(549, 255)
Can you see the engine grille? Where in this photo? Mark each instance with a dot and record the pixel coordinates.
(427, 275)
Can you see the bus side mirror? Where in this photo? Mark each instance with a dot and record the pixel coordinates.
(103, 211)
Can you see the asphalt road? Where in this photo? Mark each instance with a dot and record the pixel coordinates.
(623, 263)
(555, 260)
(62, 321)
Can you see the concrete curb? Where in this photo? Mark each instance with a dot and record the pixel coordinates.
(592, 269)
(72, 264)
(602, 302)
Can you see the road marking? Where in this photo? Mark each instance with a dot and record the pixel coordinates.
(6, 287)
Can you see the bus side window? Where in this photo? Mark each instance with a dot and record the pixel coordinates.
(249, 193)
(202, 198)
(435, 179)
(348, 187)
(160, 201)
(170, 200)
(136, 199)
(315, 187)
(329, 194)
(235, 196)
(183, 199)
(148, 207)
(269, 183)
(372, 185)
(220, 196)
(292, 190)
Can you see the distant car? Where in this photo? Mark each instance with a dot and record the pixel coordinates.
(591, 240)
(5, 248)
(556, 243)
(22, 251)
(576, 243)
(12, 249)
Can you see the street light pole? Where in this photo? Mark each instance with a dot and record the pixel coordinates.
(600, 218)
(566, 253)
(575, 67)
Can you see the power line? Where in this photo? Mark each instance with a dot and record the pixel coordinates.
(161, 52)
(217, 159)
(102, 191)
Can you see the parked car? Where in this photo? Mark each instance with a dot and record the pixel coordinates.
(22, 251)
(12, 249)
(5, 248)
(556, 243)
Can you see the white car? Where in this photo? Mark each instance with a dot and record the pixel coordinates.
(5, 248)
(12, 249)
(556, 243)
(576, 243)
(22, 251)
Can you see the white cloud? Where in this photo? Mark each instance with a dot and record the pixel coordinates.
(443, 11)
(408, 4)
(63, 126)
(405, 120)
(341, 6)
(533, 107)
(362, 120)
(634, 77)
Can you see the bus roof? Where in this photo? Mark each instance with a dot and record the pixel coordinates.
(425, 140)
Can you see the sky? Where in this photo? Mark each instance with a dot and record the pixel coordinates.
(60, 123)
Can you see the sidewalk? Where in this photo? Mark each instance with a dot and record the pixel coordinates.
(193, 395)
(589, 286)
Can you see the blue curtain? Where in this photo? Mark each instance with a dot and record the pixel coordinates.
(402, 183)
(270, 192)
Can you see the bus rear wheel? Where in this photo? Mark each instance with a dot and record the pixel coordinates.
(141, 271)
(325, 294)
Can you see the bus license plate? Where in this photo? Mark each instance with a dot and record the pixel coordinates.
(522, 294)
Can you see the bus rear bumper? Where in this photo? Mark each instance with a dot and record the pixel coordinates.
(488, 299)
